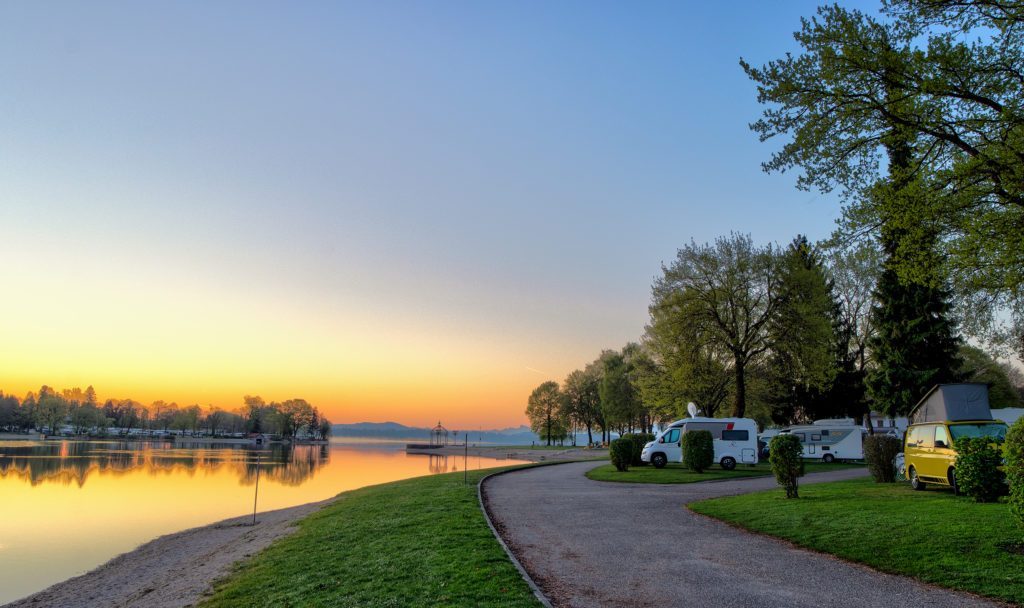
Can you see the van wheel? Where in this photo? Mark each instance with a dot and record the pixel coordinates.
(951, 476)
(659, 461)
(915, 482)
(829, 458)
(728, 463)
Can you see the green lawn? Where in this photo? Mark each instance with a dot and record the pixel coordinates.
(930, 535)
(418, 542)
(677, 473)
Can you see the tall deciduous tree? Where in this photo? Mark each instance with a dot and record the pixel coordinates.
(728, 293)
(948, 75)
(544, 411)
(687, 365)
(581, 399)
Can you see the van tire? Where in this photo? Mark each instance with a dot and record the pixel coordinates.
(728, 463)
(659, 461)
(915, 481)
(829, 458)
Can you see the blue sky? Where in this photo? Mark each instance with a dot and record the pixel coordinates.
(500, 179)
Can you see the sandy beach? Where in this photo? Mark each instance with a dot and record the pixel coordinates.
(171, 571)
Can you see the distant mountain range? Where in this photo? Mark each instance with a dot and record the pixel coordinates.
(520, 435)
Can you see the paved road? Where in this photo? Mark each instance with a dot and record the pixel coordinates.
(588, 543)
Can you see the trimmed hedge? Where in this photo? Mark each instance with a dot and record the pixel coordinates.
(621, 453)
(1013, 450)
(787, 458)
(977, 469)
(639, 441)
(698, 450)
(880, 455)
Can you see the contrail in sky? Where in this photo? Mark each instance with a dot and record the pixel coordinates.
(536, 371)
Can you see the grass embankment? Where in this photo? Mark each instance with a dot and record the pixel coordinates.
(677, 473)
(932, 535)
(418, 542)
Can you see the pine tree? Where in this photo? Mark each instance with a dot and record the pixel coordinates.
(915, 345)
(802, 365)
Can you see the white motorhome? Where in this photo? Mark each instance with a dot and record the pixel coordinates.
(735, 441)
(831, 440)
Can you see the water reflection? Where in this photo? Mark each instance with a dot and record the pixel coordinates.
(69, 506)
(73, 462)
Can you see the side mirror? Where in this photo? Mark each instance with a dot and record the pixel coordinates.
(940, 444)
(661, 440)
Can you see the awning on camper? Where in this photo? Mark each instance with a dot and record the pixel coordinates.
(967, 401)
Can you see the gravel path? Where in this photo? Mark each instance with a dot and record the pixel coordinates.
(588, 543)
(172, 571)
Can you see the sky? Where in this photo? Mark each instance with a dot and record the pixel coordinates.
(408, 211)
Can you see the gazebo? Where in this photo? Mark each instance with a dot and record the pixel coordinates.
(438, 435)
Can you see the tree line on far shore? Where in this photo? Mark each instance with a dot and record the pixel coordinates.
(914, 117)
(82, 411)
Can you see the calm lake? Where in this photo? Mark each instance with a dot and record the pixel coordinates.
(69, 506)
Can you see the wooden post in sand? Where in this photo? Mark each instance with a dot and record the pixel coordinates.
(257, 492)
(465, 457)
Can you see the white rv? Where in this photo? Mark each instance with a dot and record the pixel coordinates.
(831, 440)
(735, 441)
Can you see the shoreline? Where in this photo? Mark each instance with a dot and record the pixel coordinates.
(180, 568)
(173, 570)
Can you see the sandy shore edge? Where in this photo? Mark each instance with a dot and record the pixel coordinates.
(174, 570)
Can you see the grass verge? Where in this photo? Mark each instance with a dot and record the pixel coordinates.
(932, 535)
(677, 473)
(418, 542)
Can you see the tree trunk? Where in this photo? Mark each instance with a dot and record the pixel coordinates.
(590, 437)
(739, 406)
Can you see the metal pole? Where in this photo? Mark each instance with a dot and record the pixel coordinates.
(257, 492)
(465, 457)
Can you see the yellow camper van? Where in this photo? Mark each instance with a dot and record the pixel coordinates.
(947, 413)
(930, 448)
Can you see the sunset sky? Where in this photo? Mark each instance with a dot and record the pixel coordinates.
(405, 211)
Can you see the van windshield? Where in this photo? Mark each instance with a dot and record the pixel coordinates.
(995, 430)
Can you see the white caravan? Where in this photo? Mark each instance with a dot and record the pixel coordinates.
(735, 441)
(831, 440)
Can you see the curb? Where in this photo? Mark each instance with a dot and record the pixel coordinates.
(543, 599)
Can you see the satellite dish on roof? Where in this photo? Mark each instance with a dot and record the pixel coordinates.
(691, 408)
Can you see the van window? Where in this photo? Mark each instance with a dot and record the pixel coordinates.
(815, 437)
(825, 433)
(995, 430)
(801, 437)
(672, 436)
(922, 436)
(735, 436)
(941, 437)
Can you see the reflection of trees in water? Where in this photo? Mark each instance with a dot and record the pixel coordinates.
(296, 465)
(68, 462)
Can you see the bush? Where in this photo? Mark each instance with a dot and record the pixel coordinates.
(787, 459)
(1013, 450)
(698, 450)
(621, 453)
(880, 455)
(977, 472)
(639, 441)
